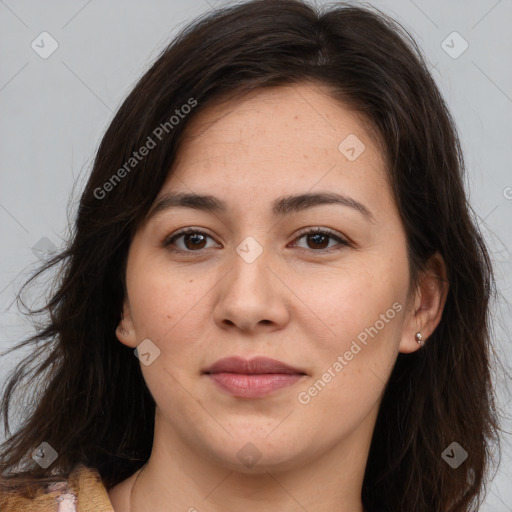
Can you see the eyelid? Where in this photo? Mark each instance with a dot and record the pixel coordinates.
(342, 240)
(169, 239)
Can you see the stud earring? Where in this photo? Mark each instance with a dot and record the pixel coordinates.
(419, 338)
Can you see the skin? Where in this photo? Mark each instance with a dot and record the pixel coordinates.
(296, 302)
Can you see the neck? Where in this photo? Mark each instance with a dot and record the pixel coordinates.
(178, 478)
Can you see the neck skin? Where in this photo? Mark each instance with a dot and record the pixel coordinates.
(177, 478)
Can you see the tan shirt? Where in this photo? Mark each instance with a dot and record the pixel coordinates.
(83, 492)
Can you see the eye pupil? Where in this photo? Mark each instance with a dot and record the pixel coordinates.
(317, 241)
(199, 238)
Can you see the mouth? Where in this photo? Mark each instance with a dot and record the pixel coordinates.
(253, 378)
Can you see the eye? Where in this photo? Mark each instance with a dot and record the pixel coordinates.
(319, 239)
(193, 240)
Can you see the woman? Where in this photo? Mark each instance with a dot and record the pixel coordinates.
(276, 226)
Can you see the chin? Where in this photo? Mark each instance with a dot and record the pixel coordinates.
(258, 453)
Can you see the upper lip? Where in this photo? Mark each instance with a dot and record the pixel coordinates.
(256, 366)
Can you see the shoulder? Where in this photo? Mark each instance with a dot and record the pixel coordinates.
(83, 487)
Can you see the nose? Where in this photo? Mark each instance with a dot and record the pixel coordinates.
(252, 296)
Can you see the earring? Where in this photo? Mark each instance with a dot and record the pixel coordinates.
(419, 338)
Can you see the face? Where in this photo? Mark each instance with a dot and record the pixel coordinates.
(319, 284)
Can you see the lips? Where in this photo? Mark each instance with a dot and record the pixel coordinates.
(253, 378)
(256, 366)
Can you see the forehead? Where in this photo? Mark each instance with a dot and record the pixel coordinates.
(275, 140)
(300, 111)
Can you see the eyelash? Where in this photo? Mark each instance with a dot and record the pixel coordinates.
(307, 231)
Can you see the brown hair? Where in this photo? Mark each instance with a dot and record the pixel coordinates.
(94, 407)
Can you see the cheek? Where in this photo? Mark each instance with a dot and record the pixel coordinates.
(349, 301)
(354, 362)
(166, 305)
(364, 306)
(173, 308)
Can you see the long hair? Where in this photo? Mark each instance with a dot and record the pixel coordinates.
(93, 406)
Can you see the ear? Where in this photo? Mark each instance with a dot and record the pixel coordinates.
(125, 331)
(427, 306)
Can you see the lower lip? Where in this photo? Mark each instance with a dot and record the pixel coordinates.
(253, 386)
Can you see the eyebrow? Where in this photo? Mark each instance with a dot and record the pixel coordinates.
(282, 206)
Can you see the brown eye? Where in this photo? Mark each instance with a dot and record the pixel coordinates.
(190, 241)
(318, 240)
(194, 240)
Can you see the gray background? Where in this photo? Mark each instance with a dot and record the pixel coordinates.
(55, 111)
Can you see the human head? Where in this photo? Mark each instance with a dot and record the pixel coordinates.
(247, 48)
